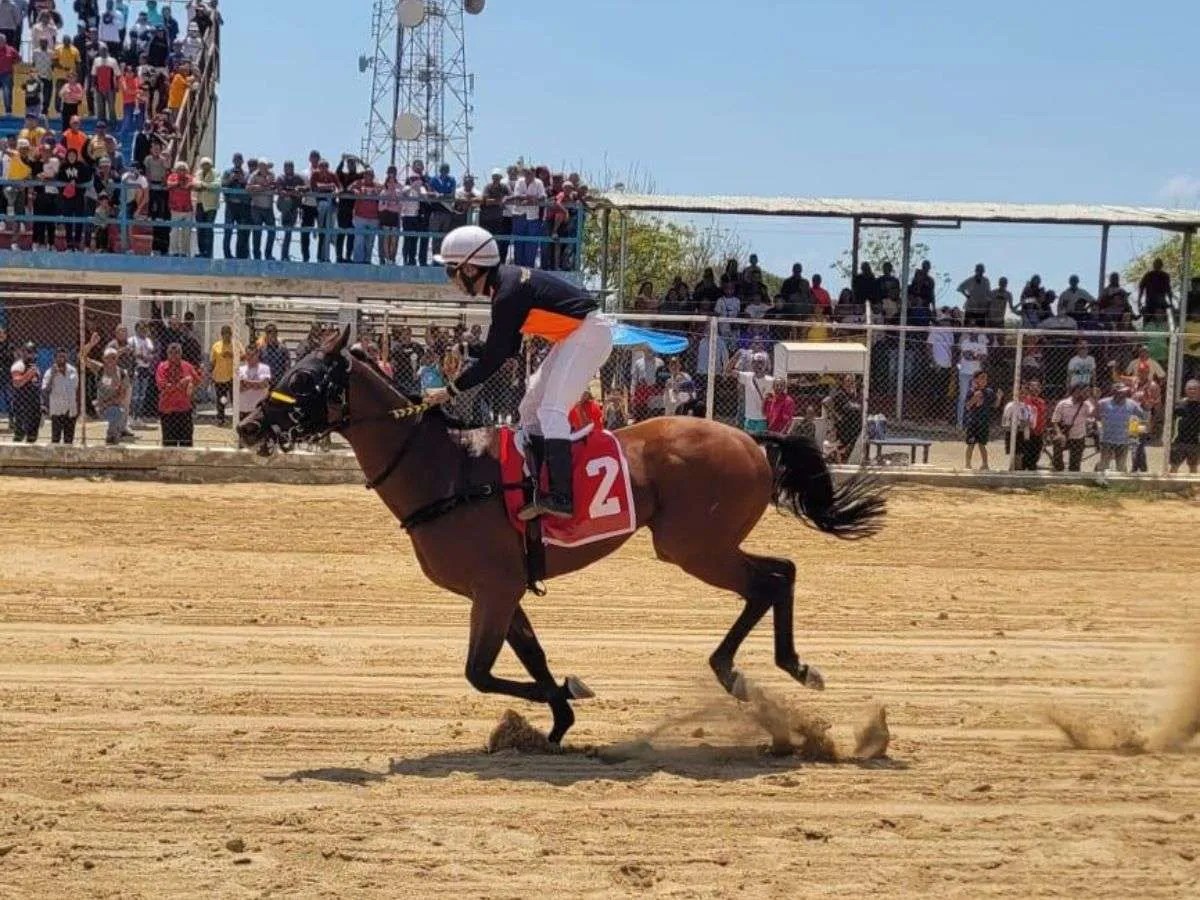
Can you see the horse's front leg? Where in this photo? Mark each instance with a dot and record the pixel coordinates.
(524, 643)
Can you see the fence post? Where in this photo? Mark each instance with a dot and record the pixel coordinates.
(81, 361)
(866, 386)
(710, 385)
(1171, 391)
(238, 358)
(1016, 391)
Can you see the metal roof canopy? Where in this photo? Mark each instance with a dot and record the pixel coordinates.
(909, 211)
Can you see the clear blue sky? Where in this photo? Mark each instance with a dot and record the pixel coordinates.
(1026, 100)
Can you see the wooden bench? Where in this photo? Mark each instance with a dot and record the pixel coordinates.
(911, 443)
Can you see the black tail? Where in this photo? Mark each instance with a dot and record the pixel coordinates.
(804, 486)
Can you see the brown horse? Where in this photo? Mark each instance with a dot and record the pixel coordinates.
(699, 486)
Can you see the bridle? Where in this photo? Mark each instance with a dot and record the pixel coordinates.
(335, 394)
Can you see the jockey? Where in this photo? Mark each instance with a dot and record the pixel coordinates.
(531, 302)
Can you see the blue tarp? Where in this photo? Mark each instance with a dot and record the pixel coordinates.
(658, 341)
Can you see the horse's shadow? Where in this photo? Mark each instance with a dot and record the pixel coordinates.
(575, 765)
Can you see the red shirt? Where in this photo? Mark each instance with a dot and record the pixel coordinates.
(368, 206)
(130, 85)
(8, 60)
(175, 386)
(179, 192)
(821, 297)
(1038, 405)
(583, 413)
(779, 409)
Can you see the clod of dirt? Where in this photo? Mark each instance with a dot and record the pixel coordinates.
(636, 875)
(1099, 731)
(513, 732)
(235, 845)
(872, 739)
(792, 730)
(699, 733)
(88, 864)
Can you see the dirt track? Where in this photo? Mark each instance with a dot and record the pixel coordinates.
(250, 691)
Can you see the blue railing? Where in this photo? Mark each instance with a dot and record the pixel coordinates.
(249, 231)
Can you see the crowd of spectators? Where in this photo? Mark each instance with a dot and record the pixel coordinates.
(149, 65)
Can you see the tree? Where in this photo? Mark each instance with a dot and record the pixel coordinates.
(1170, 251)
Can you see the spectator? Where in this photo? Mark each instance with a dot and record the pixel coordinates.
(1069, 424)
(493, 213)
(796, 291)
(11, 23)
(645, 300)
(843, 408)
(616, 410)
(972, 356)
(441, 216)
(1030, 450)
(940, 339)
(756, 306)
(529, 194)
(113, 393)
(170, 24)
(70, 97)
(586, 412)
(1113, 302)
(104, 80)
(206, 190)
(389, 216)
(156, 167)
(1155, 296)
(706, 293)
(981, 401)
(728, 307)
(923, 289)
(1144, 366)
(756, 385)
(261, 187)
(132, 115)
(26, 395)
(1075, 301)
(289, 189)
(177, 382)
(111, 28)
(254, 381)
(779, 407)
(181, 83)
(348, 175)
(179, 202)
(221, 357)
(1033, 301)
(1186, 447)
(9, 58)
(366, 215)
(889, 284)
(1000, 301)
(237, 210)
(75, 176)
(6, 361)
(145, 353)
(60, 387)
(1017, 412)
(680, 393)
(43, 67)
(405, 355)
(865, 288)
(1117, 417)
(191, 48)
(324, 185)
(976, 291)
(308, 205)
(273, 353)
(1081, 368)
(643, 381)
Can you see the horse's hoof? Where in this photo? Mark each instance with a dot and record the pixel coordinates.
(577, 690)
(814, 679)
(740, 689)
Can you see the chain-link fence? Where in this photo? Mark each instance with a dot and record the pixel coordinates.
(175, 371)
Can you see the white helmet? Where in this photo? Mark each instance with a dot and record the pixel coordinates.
(469, 244)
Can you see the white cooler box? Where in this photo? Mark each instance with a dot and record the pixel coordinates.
(799, 358)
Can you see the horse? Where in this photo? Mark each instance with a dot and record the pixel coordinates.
(699, 486)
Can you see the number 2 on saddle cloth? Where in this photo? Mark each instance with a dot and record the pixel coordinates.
(603, 492)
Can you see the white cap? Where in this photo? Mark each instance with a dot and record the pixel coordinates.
(469, 244)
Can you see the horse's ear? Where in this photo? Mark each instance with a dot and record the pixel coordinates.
(336, 342)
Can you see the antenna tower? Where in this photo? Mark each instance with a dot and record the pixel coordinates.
(420, 88)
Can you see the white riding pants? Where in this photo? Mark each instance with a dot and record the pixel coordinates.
(563, 376)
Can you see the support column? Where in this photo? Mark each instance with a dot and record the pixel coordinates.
(710, 387)
(856, 225)
(1104, 229)
(622, 262)
(81, 362)
(604, 226)
(1016, 393)
(239, 340)
(1176, 345)
(866, 380)
(905, 265)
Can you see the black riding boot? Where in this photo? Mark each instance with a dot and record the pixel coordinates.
(560, 501)
(535, 455)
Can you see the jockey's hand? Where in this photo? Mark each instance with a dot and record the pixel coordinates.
(437, 396)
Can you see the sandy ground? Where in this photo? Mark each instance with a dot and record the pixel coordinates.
(250, 691)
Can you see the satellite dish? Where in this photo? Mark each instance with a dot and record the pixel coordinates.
(474, 7)
(411, 13)
(409, 127)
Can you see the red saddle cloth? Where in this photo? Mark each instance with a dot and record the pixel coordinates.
(603, 493)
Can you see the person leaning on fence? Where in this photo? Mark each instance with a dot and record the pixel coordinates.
(1070, 422)
(60, 394)
(254, 381)
(113, 394)
(981, 401)
(177, 381)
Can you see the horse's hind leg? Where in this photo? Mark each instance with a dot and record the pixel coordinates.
(765, 583)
